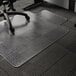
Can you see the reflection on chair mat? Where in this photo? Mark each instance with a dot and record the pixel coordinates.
(35, 37)
(52, 17)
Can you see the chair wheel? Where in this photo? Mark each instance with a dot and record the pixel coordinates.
(5, 2)
(74, 25)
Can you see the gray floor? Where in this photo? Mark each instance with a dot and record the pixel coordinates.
(59, 59)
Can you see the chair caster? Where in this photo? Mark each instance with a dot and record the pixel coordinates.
(75, 25)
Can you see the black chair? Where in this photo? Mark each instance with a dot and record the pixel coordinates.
(5, 14)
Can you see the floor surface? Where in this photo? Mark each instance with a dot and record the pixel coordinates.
(59, 59)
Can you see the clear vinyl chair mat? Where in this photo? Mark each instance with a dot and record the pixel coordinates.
(30, 39)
